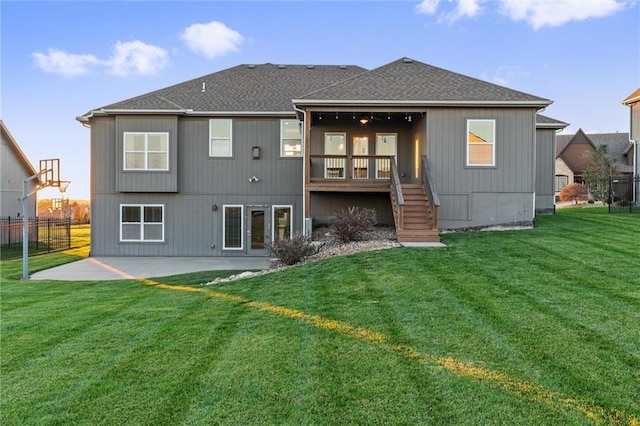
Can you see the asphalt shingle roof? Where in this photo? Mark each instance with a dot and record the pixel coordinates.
(271, 88)
(410, 80)
(548, 122)
(243, 88)
(618, 147)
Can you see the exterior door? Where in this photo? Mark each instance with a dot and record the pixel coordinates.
(385, 145)
(360, 164)
(257, 231)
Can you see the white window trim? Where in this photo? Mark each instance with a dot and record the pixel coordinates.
(273, 219)
(493, 144)
(335, 163)
(224, 227)
(146, 151)
(379, 161)
(211, 138)
(282, 139)
(142, 223)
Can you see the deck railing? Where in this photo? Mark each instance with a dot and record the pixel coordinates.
(350, 168)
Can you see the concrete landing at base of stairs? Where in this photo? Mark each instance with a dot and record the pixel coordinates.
(422, 245)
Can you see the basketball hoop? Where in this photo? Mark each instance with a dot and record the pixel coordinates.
(63, 185)
(49, 175)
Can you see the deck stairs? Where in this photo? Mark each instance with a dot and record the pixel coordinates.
(414, 219)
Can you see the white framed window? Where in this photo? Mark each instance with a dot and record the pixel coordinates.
(481, 142)
(142, 222)
(290, 138)
(146, 151)
(220, 138)
(282, 223)
(232, 227)
(560, 182)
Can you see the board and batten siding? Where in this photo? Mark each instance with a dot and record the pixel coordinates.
(142, 180)
(545, 170)
(483, 196)
(192, 226)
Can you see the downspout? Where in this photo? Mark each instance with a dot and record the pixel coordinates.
(304, 165)
(635, 154)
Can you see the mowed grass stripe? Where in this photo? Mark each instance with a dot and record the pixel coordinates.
(517, 386)
(88, 369)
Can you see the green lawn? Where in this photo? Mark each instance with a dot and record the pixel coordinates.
(525, 327)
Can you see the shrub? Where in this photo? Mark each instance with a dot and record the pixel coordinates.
(349, 224)
(573, 192)
(290, 251)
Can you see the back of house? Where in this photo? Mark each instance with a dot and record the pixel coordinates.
(223, 164)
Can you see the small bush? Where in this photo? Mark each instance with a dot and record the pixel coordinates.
(349, 224)
(573, 192)
(293, 250)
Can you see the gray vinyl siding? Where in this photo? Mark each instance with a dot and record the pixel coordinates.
(545, 170)
(483, 196)
(13, 174)
(191, 226)
(147, 181)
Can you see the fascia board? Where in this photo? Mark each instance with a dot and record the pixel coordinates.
(426, 103)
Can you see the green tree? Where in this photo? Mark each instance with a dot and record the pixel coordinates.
(598, 172)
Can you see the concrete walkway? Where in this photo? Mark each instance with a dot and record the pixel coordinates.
(122, 268)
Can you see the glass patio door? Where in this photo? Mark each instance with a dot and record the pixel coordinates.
(360, 165)
(334, 145)
(257, 231)
(385, 145)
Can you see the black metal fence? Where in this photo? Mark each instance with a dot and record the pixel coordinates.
(624, 194)
(45, 233)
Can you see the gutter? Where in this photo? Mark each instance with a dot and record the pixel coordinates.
(183, 111)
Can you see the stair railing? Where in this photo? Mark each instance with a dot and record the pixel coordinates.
(430, 188)
(397, 199)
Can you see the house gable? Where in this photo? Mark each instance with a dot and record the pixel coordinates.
(407, 82)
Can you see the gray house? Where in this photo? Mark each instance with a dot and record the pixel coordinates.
(222, 164)
(15, 167)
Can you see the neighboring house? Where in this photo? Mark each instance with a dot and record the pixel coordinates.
(14, 169)
(633, 102)
(546, 129)
(572, 154)
(222, 164)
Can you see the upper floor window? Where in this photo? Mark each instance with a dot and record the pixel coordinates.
(220, 142)
(481, 136)
(290, 138)
(146, 151)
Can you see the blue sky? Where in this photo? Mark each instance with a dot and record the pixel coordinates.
(61, 59)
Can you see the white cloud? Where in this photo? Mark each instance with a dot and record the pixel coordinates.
(545, 13)
(138, 58)
(462, 9)
(537, 13)
(507, 74)
(66, 64)
(211, 39)
(428, 7)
